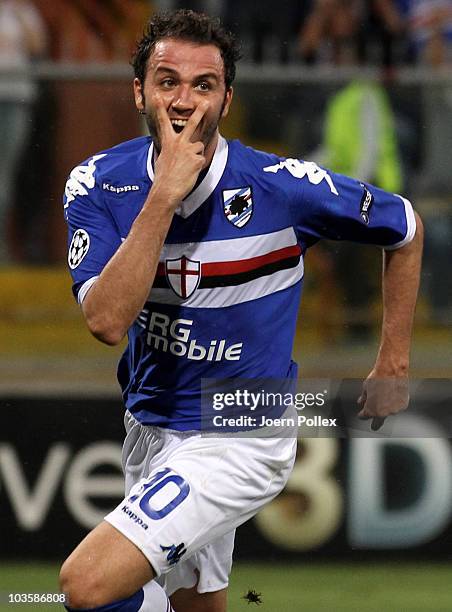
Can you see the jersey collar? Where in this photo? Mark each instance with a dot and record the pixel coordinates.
(194, 200)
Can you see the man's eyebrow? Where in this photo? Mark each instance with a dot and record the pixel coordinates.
(165, 69)
(206, 75)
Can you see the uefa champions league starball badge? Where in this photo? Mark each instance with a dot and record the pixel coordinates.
(78, 248)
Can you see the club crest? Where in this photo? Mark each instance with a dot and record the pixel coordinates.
(183, 275)
(238, 205)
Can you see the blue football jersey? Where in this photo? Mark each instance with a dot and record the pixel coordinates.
(225, 298)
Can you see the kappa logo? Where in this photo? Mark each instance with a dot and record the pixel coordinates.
(300, 169)
(183, 275)
(120, 188)
(78, 248)
(366, 204)
(134, 517)
(81, 179)
(175, 552)
(238, 205)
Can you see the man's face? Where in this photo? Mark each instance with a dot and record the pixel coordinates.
(181, 74)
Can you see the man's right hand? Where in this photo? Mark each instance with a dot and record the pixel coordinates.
(180, 160)
(118, 295)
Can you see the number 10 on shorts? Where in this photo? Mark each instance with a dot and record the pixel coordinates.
(163, 479)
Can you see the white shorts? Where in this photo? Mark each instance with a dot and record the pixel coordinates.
(187, 493)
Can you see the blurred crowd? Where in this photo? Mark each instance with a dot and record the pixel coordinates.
(315, 31)
(37, 119)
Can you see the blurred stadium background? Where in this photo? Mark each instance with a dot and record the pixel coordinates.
(346, 534)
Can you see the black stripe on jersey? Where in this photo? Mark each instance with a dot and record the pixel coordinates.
(240, 278)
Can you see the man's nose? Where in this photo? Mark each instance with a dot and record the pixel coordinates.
(183, 98)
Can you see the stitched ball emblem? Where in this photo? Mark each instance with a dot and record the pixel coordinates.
(78, 248)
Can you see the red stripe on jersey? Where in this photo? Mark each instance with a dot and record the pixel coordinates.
(245, 265)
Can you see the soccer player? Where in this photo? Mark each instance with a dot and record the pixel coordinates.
(193, 246)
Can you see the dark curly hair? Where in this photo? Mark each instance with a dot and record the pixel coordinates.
(186, 25)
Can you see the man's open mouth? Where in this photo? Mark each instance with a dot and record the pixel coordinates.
(178, 124)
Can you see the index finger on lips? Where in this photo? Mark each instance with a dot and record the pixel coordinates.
(195, 119)
(166, 129)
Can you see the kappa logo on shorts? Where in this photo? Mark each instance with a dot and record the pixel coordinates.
(78, 248)
(238, 205)
(175, 552)
(135, 518)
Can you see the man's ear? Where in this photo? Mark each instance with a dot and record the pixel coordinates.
(227, 102)
(138, 93)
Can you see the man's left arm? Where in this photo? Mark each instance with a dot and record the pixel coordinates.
(385, 391)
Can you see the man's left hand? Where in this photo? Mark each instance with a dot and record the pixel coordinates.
(381, 397)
